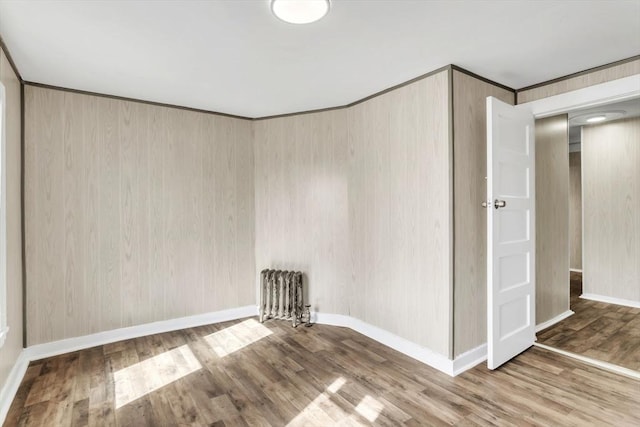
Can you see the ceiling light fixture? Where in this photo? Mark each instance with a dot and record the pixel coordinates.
(596, 116)
(300, 11)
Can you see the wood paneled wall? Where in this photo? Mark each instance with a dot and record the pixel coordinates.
(581, 81)
(611, 215)
(359, 199)
(139, 213)
(134, 213)
(552, 217)
(13, 345)
(400, 212)
(470, 189)
(301, 203)
(575, 211)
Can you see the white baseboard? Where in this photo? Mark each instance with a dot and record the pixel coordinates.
(612, 300)
(12, 383)
(575, 270)
(422, 354)
(469, 359)
(551, 322)
(597, 363)
(40, 351)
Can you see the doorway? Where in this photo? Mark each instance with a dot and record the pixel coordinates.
(604, 283)
(617, 90)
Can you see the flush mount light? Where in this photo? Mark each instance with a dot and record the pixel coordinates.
(300, 11)
(596, 119)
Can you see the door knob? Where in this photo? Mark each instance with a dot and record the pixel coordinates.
(486, 204)
(499, 204)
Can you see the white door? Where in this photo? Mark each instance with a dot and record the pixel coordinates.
(510, 231)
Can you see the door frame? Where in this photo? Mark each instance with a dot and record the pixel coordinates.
(604, 93)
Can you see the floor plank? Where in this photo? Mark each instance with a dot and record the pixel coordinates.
(244, 373)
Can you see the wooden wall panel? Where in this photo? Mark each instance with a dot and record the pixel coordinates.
(72, 204)
(13, 345)
(399, 208)
(109, 227)
(135, 213)
(245, 208)
(358, 198)
(470, 219)
(552, 217)
(611, 191)
(584, 80)
(575, 211)
(301, 203)
(92, 318)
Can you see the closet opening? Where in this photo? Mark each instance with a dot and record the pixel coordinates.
(603, 236)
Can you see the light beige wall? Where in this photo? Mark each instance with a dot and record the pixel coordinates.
(359, 199)
(301, 202)
(575, 211)
(400, 214)
(135, 213)
(470, 168)
(581, 81)
(13, 344)
(611, 180)
(552, 217)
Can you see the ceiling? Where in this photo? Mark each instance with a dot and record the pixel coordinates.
(617, 110)
(235, 57)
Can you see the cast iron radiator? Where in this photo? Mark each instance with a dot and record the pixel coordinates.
(281, 296)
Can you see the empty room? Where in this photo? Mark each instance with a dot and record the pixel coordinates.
(319, 212)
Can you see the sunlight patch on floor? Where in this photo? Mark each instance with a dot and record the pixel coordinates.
(236, 337)
(336, 385)
(144, 377)
(316, 412)
(369, 408)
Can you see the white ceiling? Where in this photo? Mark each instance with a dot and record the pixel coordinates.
(233, 56)
(627, 110)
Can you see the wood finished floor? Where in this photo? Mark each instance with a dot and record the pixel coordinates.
(243, 373)
(602, 331)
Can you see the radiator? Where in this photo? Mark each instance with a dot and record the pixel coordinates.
(281, 296)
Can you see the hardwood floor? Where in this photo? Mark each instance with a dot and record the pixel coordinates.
(244, 373)
(602, 331)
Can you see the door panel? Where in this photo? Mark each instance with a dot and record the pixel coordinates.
(510, 236)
